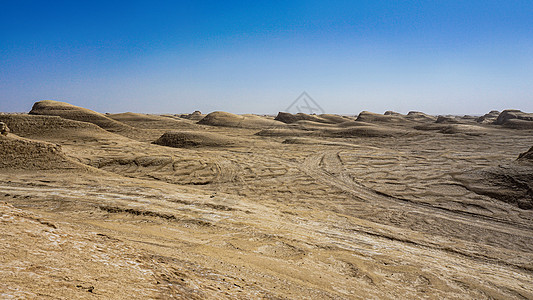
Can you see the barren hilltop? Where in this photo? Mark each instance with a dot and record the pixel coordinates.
(225, 206)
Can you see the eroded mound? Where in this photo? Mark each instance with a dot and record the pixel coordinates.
(352, 217)
(363, 131)
(311, 125)
(314, 141)
(289, 118)
(69, 111)
(20, 153)
(518, 124)
(511, 114)
(336, 118)
(282, 132)
(466, 129)
(366, 116)
(185, 139)
(196, 116)
(420, 116)
(526, 156)
(489, 117)
(511, 183)
(392, 113)
(447, 120)
(4, 130)
(225, 119)
(51, 127)
(150, 121)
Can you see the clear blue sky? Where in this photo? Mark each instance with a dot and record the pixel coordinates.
(257, 56)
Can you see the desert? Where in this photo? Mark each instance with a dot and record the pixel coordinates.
(242, 206)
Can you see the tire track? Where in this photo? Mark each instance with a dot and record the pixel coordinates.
(327, 167)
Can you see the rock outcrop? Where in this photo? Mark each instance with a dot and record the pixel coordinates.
(526, 156)
(4, 130)
(196, 116)
(21, 153)
(488, 117)
(511, 114)
(511, 183)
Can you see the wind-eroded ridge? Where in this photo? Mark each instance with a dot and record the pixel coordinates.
(195, 206)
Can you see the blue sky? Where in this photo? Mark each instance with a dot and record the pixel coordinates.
(440, 57)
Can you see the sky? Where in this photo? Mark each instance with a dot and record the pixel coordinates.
(439, 57)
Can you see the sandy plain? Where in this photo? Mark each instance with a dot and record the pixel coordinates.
(223, 206)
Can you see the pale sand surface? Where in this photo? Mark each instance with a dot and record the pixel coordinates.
(387, 207)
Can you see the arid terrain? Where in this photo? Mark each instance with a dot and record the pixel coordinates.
(293, 206)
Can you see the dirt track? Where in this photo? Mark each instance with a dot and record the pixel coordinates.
(349, 217)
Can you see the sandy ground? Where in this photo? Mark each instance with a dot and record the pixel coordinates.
(308, 213)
